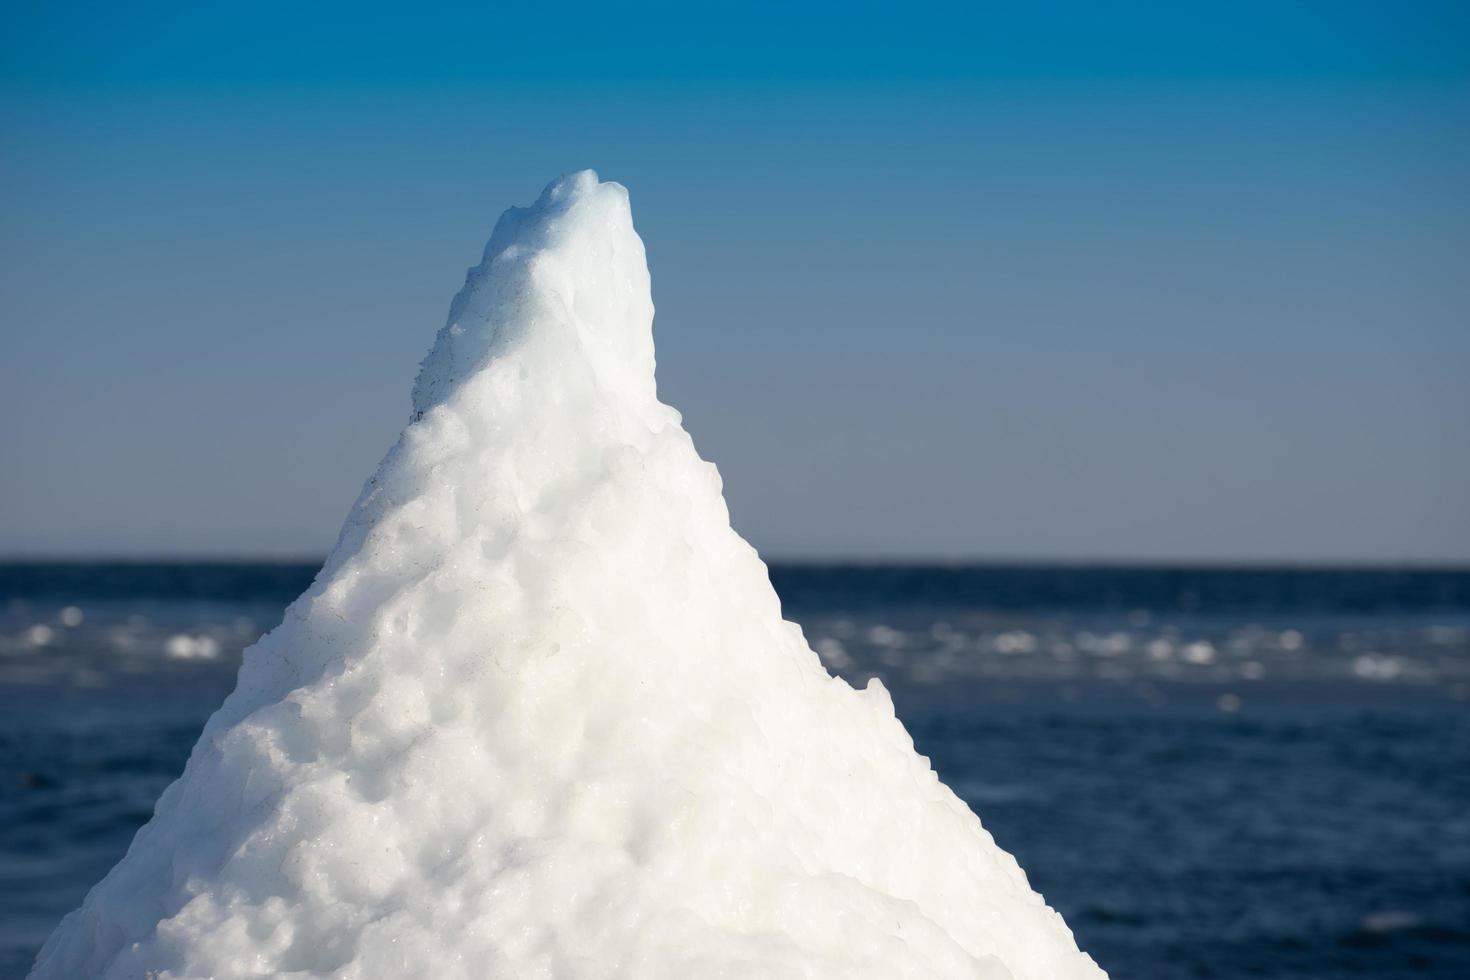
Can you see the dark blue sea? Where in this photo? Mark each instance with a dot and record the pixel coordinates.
(1210, 772)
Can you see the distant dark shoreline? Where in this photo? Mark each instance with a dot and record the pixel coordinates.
(1076, 587)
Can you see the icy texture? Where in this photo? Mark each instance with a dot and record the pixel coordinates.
(539, 715)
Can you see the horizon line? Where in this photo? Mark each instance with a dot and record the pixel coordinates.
(829, 561)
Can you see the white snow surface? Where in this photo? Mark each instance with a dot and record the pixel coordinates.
(539, 715)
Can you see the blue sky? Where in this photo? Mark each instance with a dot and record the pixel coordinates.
(1134, 281)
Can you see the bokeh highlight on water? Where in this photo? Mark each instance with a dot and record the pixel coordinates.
(1209, 772)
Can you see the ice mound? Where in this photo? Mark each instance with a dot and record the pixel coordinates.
(539, 715)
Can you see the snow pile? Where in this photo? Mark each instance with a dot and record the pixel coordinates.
(539, 715)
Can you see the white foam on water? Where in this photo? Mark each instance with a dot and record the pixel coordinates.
(539, 714)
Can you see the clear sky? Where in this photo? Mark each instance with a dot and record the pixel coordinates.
(1103, 281)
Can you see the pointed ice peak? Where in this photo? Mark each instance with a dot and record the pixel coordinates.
(539, 714)
(523, 227)
(566, 274)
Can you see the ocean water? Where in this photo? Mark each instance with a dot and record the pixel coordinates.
(1209, 772)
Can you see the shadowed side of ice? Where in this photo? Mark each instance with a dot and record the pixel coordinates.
(539, 715)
